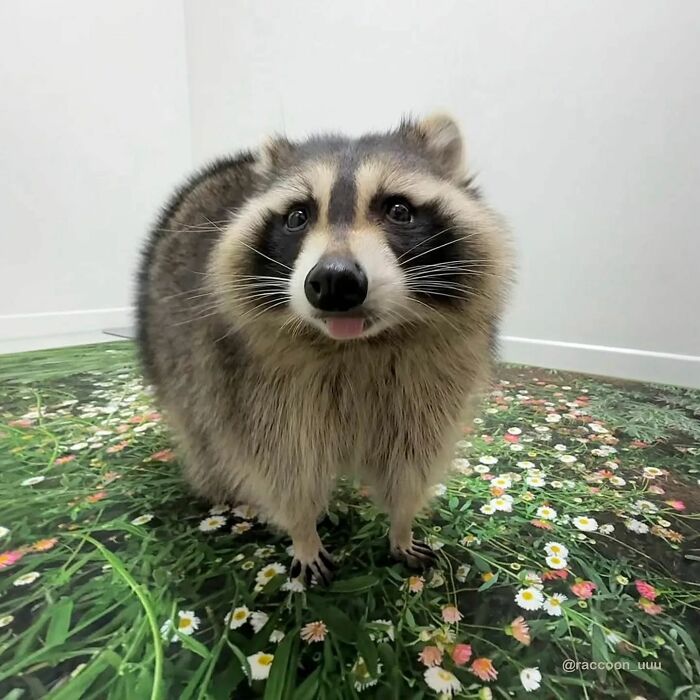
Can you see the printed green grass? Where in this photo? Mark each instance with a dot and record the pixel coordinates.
(116, 583)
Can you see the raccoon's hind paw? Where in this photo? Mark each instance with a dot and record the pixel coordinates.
(417, 555)
(322, 568)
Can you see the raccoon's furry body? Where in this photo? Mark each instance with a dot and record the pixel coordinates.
(272, 387)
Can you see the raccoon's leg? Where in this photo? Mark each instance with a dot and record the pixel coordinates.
(402, 493)
(296, 510)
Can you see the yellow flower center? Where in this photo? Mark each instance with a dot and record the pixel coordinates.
(269, 573)
(583, 521)
(265, 659)
(554, 602)
(240, 615)
(527, 595)
(555, 549)
(445, 675)
(184, 622)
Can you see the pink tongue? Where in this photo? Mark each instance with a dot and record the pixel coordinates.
(345, 327)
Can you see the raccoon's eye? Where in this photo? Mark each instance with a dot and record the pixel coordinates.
(398, 211)
(297, 219)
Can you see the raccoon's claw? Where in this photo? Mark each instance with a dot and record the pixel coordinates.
(417, 555)
(321, 568)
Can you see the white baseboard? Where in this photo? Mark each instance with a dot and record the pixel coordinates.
(625, 363)
(22, 332)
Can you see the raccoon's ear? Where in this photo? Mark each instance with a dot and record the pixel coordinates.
(439, 136)
(276, 153)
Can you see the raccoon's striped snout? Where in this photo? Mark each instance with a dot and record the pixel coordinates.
(336, 284)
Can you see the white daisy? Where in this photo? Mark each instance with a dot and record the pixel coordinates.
(553, 418)
(293, 585)
(567, 459)
(439, 490)
(260, 664)
(212, 523)
(555, 562)
(463, 444)
(276, 636)
(502, 503)
(142, 519)
(586, 524)
(560, 448)
(556, 549)
(535, 481)
(597, 428)
(481, 469)
(5, 620)
(26, 579)
(4, 531)
(361, 675)
(546, 513)
(478, 421)
(530, 578)
(488, 460)
(442, 681)
(187, 623)
(219, 509)
(237, 617)
(636, 526)
(462, 572)
(384, 630)
(664, 523)
(501, 482)
(530, 678)
(258, 620)
(526, 465)
(32, 480)
(267, 573)
(542, 428)
(514, 431)
(78, 446)
(240, 528)
(552, 604)
(556, 484)
(529, 598)
(246, 512)
(645, 506)
(487, 509)
(462, 466)
(606, 529)
(652, 472)
(617, 481)
(516, 447)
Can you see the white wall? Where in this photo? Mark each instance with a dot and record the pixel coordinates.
(582, 118)
(94, 131)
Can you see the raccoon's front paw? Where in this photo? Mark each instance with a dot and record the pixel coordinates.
(417, 555)
(321, 567)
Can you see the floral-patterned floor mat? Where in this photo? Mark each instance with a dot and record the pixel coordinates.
(569, 559)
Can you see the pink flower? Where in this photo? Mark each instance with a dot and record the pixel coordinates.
(21, 423)
(314, 632)
(676, 505)
(461, 654)
(64, 460)
(542, 524)
(451, 614)
(649, 607)
(511, 438)
(646, 590)
(430, 656)
(10, 557)
(163, 456)
(483, 669)
(555, 574)
(583, 589)
(488, 439)
(520, 630)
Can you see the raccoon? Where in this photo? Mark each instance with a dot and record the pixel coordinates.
(319, 308)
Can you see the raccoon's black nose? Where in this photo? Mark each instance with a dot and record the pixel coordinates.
(336, 284)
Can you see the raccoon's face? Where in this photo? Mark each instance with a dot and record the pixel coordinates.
(352, 237)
